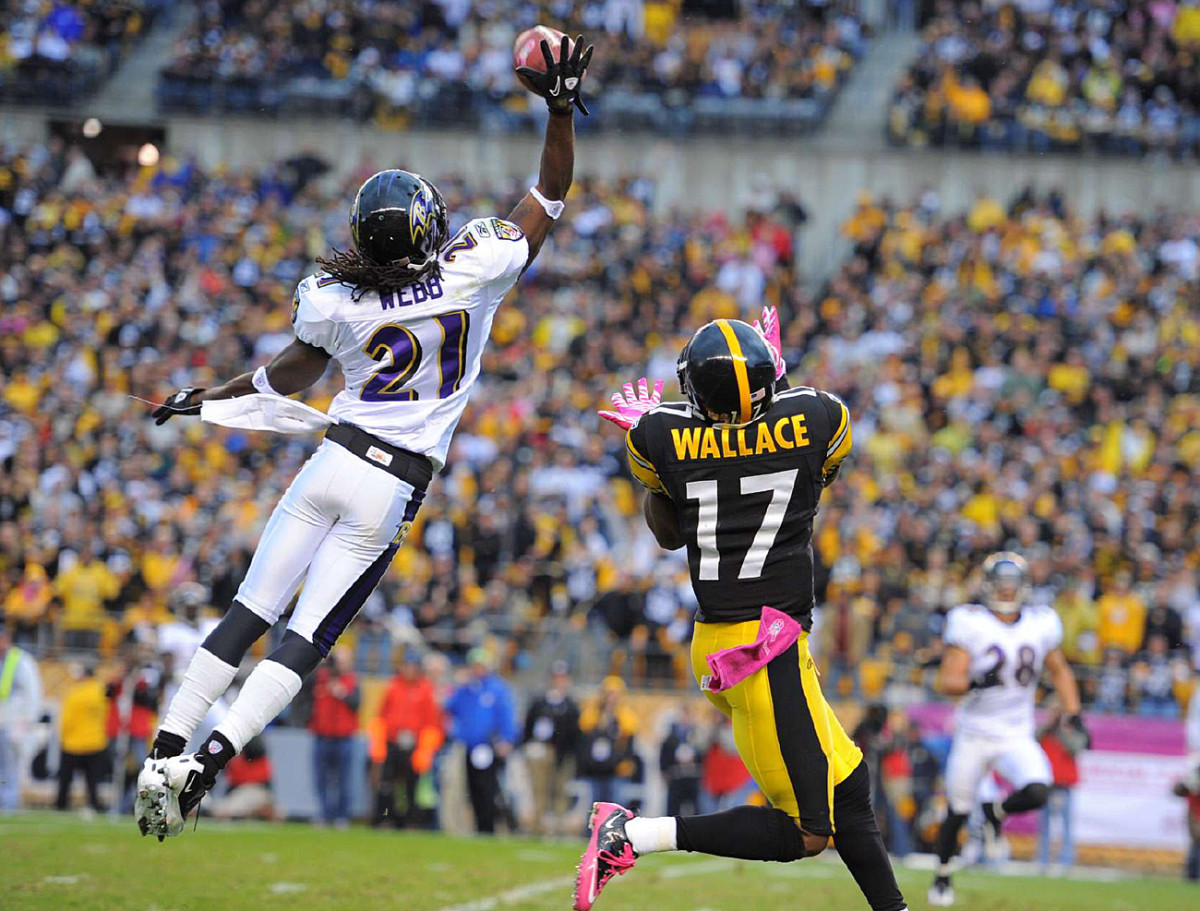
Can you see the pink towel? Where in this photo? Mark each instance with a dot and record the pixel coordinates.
(730, 666)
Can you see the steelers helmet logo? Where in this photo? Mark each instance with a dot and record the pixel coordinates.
(420, 214)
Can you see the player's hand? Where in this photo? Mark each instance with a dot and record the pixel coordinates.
(561, 83)
(768, 328)
(185, 401)
(1074, 734)
(988, 680)
(630, 407)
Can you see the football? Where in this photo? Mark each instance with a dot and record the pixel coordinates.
(527, 51)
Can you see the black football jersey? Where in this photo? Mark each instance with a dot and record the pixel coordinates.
(746, 497)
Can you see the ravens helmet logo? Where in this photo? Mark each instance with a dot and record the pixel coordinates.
(420, 215)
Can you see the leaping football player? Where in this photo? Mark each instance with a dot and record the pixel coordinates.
(405, 314)
(994, 656)
(735, 474)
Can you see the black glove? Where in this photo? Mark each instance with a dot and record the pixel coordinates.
(990, 679)
(561, 82)
(1074, 734)
(181, 402)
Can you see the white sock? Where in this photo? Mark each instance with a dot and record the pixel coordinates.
(206, 678)
(268, 690)
(943, 869)
(650, 834)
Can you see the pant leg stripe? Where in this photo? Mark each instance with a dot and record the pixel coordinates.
(807, 765)
(336, 621)
(348, 606)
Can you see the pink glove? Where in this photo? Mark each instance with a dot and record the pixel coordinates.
(769, 330)
(632, 405)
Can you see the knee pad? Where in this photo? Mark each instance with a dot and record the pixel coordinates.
(239, 629)
(297, 654)
(1030, 797)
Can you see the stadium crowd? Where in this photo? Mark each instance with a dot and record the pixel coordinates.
(1119, 78)
(451, 61)
(58, 52)
(1018, 376)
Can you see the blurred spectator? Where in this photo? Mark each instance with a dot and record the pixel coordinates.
(1066, 76)
(134, 694)
(725, 782)
(84, 587)
(407, 734)
(20, 702)
(483, 718)
(27, 605)
(83, 738)
(398, 63)
(1122, 616)
(249, 778)
(550, 744)
(1055, 816)
(607, 726)
(334, 722)
(681, 761)
(1189, 788)
(1112, 685)
(1154, 677)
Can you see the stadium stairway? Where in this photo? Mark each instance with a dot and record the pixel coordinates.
(856, 122)
(129, 96)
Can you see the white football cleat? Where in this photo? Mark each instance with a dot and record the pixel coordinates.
(941, 893)
(167, 790)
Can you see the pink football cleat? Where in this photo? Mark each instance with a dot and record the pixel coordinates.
(608, 853)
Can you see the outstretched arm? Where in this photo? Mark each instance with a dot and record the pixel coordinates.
(1063, 679)
(560, 86)
(293, 369)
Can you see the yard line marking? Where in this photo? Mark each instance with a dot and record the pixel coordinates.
(516, 894)
(287, 888)
(541, 887)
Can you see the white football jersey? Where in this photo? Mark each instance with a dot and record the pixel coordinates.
(1018, 650)
(410, 356)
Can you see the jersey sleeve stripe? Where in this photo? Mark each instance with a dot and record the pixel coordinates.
(844, 442)
(642, 469)
(634, 454)
(843, 428)
(739, 369)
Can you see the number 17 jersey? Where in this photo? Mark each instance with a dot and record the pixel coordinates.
(746, 497)
(411, 355)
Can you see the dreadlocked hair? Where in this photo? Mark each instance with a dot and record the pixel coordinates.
(351, 268)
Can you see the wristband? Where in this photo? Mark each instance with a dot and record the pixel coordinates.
(553, 207)
(261, 383)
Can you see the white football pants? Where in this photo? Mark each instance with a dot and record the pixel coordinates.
(1019, 760)
(335, 530)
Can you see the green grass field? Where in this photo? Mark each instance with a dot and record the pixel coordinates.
(50, 863)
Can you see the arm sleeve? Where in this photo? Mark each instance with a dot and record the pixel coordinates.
(840, 440)
(636, 451)
(311, 325)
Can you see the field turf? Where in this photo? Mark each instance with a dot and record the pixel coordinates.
(50, 862)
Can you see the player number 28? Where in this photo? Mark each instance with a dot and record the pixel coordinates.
(400, 349)
(779, 483)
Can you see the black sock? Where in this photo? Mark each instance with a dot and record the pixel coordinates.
(749, 833)
(946, 844)
(860, 844)
(167, 745)
(1030, 797)
(215, 754)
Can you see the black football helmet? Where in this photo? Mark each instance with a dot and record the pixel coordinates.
(398, 215)
(727, 373)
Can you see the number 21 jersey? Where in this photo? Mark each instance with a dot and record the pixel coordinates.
(1016, 651)
(411, 355)
(746, 497)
